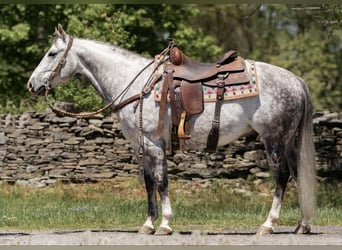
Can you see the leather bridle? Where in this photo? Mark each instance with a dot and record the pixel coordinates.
(146, 90)
(60, 64)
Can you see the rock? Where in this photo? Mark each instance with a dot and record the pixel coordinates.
(199, 166)
(35, 127)
(3, 154)
(37, 144)
(31, 169)
(72, 141)
(216, 157)
(254, 155)
(105, 175)
(69, 155)
(55, 146)
(184, 165)
(120, 142)
(262, 175)
(87, 148)
(96, 122)
(65, 119)
(171, 164)
(91, 162)
(22, 182)
(59, 172)
(3, 138)
(255, 170)
(25, 119)
(180, 157)
(49, 181)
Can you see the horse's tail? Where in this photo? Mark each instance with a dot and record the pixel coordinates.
(306, 160)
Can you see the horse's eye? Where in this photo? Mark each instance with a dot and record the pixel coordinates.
(52, 53)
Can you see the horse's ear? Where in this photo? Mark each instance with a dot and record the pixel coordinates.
(60, 32)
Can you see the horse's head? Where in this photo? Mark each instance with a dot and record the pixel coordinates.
(58, 65)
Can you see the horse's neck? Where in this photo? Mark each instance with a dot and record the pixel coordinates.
(109, 68)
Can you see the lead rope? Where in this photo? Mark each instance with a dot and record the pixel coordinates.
(147, 89)
(141, 140)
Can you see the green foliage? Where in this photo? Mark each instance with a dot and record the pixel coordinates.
(23, 40)
(304, 39)
(80, 93)
(304, 57)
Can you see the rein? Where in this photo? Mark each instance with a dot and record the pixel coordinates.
(91, 114)
(153, 78)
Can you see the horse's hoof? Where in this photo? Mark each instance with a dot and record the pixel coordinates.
(265, 230)
(303, 229)
(164, 231)
(146, 230)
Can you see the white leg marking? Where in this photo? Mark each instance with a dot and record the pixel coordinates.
(164, 228)
(272, 218)
(148, 227)
(149, 222)
(167, 212)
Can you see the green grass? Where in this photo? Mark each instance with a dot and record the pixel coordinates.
(121, 204)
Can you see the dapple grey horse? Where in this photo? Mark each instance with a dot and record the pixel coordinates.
(281, 114)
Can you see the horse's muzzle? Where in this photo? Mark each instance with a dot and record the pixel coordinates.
(40, 91)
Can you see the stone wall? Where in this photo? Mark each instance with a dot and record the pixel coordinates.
(40, 148)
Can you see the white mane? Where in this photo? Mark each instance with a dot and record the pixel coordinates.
(111, 49)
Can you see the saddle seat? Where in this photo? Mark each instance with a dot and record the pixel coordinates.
(193, 71)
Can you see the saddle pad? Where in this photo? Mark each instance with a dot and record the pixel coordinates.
(234, 91)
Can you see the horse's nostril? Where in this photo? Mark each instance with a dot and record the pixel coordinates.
(29, 86)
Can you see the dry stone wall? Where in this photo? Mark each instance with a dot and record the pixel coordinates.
(39, 149)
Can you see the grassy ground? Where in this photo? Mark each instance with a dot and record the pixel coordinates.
(121, 204)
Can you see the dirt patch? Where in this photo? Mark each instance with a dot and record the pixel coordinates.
(321, 235)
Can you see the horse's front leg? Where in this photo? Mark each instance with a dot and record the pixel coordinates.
(162, 186)
(152, 212)
(155, 176)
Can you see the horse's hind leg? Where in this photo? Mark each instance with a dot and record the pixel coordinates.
(276, 158)
(292, 157)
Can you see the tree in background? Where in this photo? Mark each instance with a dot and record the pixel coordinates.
(23, 30)
(304, 39)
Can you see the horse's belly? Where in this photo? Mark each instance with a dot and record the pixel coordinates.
(234, 123)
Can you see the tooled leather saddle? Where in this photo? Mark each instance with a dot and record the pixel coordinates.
(183, 83)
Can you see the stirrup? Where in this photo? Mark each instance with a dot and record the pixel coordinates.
(181, 132)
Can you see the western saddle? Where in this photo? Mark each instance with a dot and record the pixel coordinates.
(183, 80)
